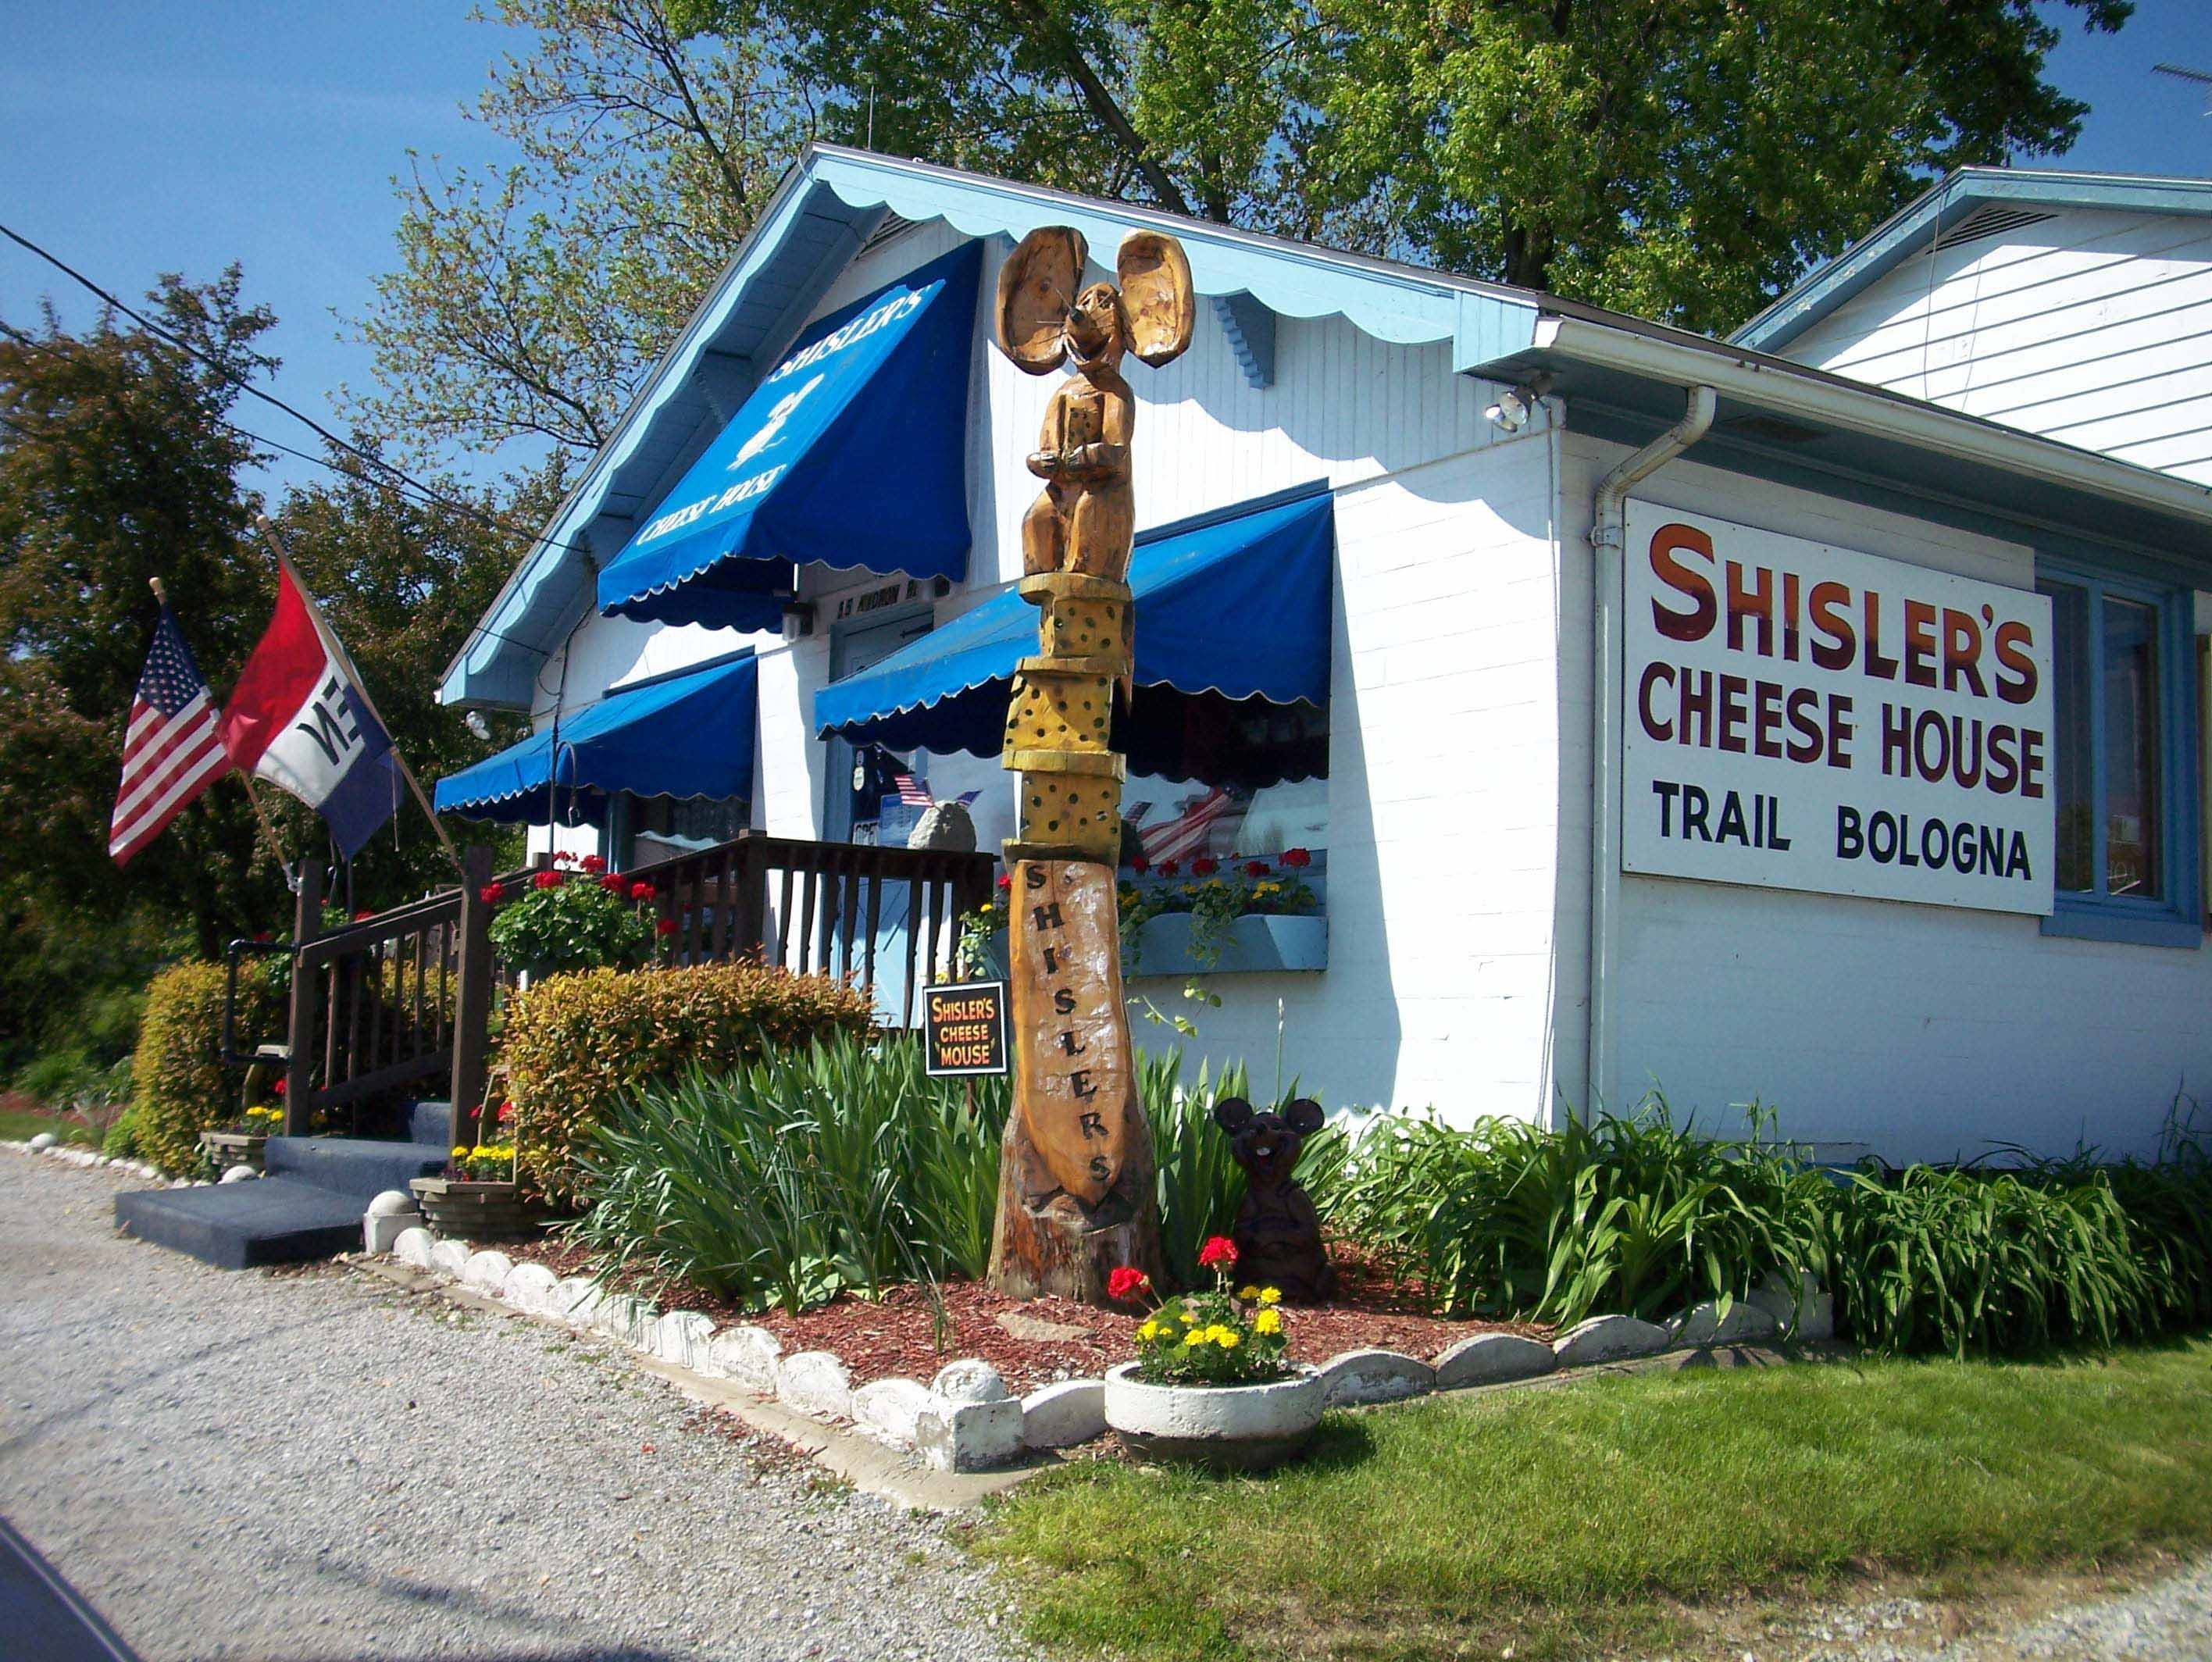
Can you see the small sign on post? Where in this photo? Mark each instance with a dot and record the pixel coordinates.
(964, 1029)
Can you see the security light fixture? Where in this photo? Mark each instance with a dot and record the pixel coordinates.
(1511, 411)
(474, 721)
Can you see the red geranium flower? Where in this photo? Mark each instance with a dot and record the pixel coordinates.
(1139, 865)
(1205, 866)
(546, 880)
(1127, 1281)
(614, 883)
(1256, 868)
(665, 927)
(563, 856)
(278, 1087)
(592, 863)
(1168, 868)
(641, 891)
(1006, 882)
(363, 916)
(506, 1112)
(491, 893)
(1297, 857)
(1219, 1253)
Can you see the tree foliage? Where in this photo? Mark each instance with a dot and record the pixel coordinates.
(120, 461)
(1681, 159)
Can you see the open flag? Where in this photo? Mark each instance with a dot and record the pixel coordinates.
(171, 751)
(298, 718)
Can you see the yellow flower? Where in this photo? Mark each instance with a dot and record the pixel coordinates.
(1268, 1321)
(1194, 1337)
(1247, 1293)
(1227, 1340)
(1186, 1315)
(1151, 1330)
(1271, 1296)
(460, 1153)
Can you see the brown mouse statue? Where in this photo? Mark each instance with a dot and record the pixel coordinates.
(1277, 1232)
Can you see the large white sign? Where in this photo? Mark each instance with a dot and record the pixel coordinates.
(1798, 716)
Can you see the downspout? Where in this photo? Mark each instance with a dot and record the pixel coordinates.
(1608, 536)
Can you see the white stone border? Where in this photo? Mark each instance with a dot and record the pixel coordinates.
(77, 1153)
(966, 1419)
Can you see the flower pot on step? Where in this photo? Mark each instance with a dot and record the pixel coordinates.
(467, 1209)
(1230, 1428)
(229, 1148)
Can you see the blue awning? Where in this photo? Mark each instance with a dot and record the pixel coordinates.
(685, 735)
(852, 451)
(1234, 604)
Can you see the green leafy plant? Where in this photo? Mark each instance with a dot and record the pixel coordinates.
(565, 922)
(1209, 1336)
(575, 1044)
(121, 1141)
(835, 1168)
(178, 1081)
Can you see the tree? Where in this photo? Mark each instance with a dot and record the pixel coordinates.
(119, 461)
(1680, 158)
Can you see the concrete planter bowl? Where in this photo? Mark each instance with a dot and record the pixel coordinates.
(1229, 1428)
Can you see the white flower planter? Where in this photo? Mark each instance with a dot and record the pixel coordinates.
(1240, 1428)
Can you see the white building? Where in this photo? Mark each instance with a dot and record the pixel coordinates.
(1634, 677)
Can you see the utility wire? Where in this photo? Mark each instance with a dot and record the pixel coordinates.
(246, 386)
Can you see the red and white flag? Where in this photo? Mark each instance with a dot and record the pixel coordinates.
(299, 718)
(171, 752)
(1186, 834)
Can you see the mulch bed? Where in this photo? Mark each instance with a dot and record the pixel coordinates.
(902, 1335)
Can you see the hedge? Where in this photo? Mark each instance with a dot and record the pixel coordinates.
(179, 1086)
(574, 1044)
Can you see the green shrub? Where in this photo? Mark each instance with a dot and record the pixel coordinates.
(177, 1082)
(121, 1141)
(575, 1044)
(1989, 1263)
(837, 1167)
(57, 1078)
(1634, 1215)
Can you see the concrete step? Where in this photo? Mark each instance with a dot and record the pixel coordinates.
(431, 1123)
(357, 1169)
(237, 1226)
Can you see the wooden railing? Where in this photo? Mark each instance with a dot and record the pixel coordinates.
(405, 999)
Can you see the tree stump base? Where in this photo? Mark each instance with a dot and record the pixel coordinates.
(1048, 1244)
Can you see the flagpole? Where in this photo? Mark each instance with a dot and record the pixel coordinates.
(332, 644)
(260, 813)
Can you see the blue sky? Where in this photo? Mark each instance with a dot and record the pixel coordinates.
(137, 137)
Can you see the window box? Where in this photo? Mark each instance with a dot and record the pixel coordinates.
(1258, 943)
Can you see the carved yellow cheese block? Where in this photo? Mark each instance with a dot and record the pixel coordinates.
(1073, 1073)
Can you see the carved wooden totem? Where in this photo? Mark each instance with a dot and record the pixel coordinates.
(1077, 1183)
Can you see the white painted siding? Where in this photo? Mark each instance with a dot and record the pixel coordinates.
(2093, 327)
(1923, 1031)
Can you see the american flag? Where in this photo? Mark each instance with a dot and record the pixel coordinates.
(913, 792)
(171, 752)
(1186, 834)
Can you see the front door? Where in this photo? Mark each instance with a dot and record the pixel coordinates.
(860, 778)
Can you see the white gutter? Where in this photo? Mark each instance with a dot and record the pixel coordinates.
(1608, 518)
(1856, 407)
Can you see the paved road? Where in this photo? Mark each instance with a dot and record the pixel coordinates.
(321, 1468)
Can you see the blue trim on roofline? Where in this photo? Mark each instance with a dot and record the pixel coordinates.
(1904, 234)
(820, 219)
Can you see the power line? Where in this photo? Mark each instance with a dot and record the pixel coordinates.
(430, 494)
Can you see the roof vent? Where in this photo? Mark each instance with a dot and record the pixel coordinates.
(891, 226)
(1771, 429)
(1990, 219)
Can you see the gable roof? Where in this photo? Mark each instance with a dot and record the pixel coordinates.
(1622, 378)
(1969, 202)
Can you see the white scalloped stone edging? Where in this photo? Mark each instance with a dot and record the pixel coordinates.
(966, 1420)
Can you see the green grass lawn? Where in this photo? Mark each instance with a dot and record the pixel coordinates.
(1567, 1520)
(19, 1124)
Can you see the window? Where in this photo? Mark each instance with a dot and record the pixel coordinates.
(650, 828)
(2121, 771)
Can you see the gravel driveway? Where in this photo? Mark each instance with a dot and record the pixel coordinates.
(320, 1466)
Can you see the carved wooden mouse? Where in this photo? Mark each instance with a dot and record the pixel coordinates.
(1086, 518)
(1277, 1233)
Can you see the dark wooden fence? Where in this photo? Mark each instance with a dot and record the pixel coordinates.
(404, 1000)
